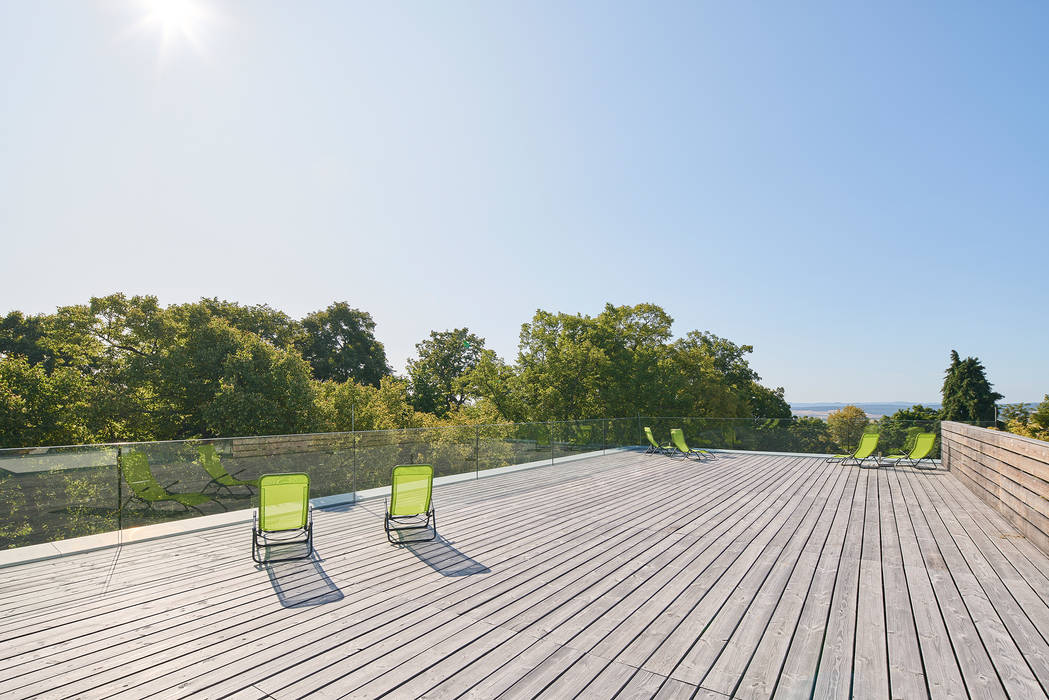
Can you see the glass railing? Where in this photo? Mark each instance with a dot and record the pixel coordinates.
(797, 435)
(54, 493)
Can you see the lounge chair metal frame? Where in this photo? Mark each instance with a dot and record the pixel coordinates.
(267, 538)
(861, 461)
(677, 436)
(393, 523)
(225, 481)
(923, 446)
(141, 488)
(654, 446)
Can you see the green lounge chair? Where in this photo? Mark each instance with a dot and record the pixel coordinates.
(146, 489)
(655, 447)
(411, 498)
(220, 478)
(865, 451)
(284, 516)
(677, 436)
(923, 444)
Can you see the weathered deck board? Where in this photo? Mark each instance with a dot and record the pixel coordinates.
(627, 575)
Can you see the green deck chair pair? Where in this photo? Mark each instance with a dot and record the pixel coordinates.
(146, 489)
(864, 452)
(655, 447)
(677, 436)
(284, 516)
(220, 478)
(411, 500)
(923, 446)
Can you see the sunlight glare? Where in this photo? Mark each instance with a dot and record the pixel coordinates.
(176, 21)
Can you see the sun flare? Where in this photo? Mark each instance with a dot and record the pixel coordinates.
(176, 21)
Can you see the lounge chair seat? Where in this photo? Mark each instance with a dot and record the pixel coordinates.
(864, 452)
(923, 446)
(284, 515)
(677, 436)
(654, 446)
(411, 503)
(220, 478)
(146, 489)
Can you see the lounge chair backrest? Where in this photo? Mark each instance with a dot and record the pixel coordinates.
(411, 489)
(209, 459)
(678, 438)
(868, 443)
(923, 444)
(650, 436)
(283, 501)
(137, 474)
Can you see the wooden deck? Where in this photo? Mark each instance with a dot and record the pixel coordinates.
(626, 575)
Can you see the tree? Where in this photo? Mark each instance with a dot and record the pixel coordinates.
(846, 425)
(41, 408)
(20, 336)
(349, 405)
(339, 343)
(768, 403)
(809, 434)
(1040, 416)
(967, 395)
(576, 366)
(435, 377)
(262, 390)
(269, 324)
(1019, 413)
(498, 383)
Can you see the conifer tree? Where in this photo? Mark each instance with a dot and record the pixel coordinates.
(967, 395)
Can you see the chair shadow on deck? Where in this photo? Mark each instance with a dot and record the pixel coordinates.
(441, 556)
(302, 583)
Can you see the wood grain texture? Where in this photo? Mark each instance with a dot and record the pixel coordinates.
(618, 576)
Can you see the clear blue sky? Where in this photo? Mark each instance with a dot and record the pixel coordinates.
(853, 188)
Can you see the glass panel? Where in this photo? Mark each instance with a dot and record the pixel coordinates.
(53, 493)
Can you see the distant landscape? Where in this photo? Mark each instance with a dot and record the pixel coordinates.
(873, 410)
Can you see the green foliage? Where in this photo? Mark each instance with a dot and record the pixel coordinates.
(124, 368)
(846, 425)
(810, 435)
(1019, 413)
(435, 377)
(352, 406)
(898, 431)
(262, 390)
(1027, 421)
(618, 363)
(262, 320)
(340, 345)
(967, 395)
(20, 337)
(1040, 417)
(40, 408)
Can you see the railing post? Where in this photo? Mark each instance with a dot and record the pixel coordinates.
(639, 442)
(120, 495)
(353, 437)
(604, 436)
(550, 434)
(477, 452)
